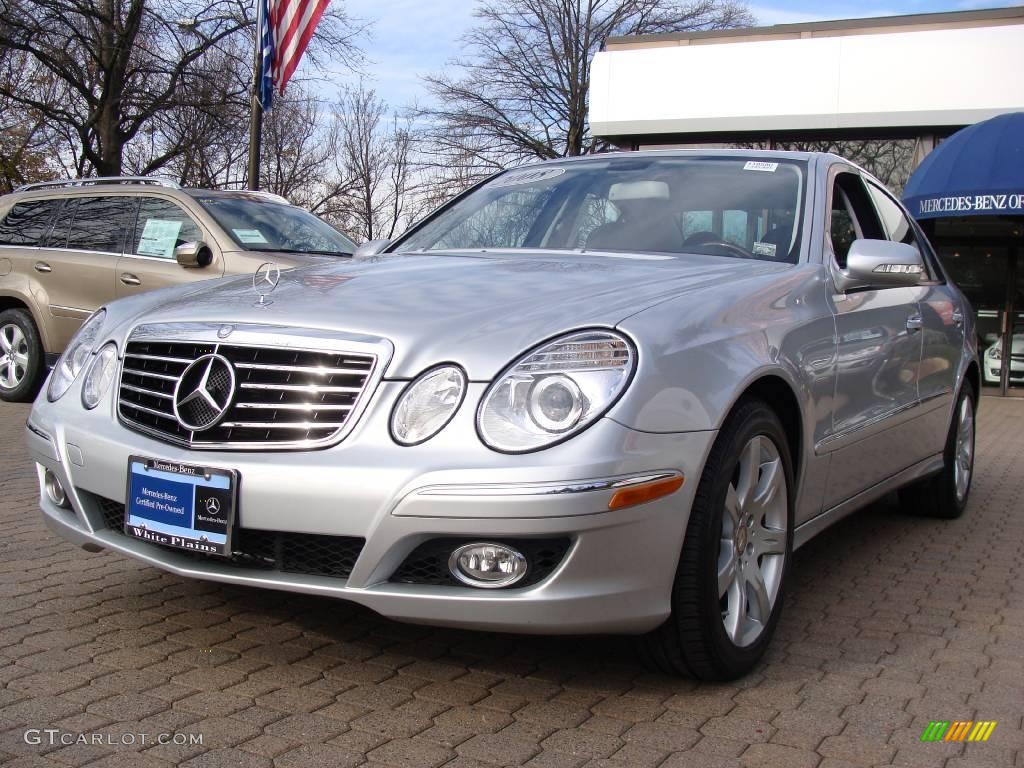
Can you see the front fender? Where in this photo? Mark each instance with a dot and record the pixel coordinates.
(697, 357)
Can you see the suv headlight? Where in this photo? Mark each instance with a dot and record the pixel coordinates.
(75, 356)
(555, 391)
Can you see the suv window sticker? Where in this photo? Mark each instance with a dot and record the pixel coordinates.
(159, 238)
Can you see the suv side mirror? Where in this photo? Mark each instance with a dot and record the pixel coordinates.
(880, 264)
(370, 248)
(193, 255)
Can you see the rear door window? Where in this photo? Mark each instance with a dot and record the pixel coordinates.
(27, 223)
(160, 227)
(58, 237)
(100, 223)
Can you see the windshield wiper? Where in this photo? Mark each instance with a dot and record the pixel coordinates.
(314, 253)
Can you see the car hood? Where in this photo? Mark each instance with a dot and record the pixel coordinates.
(478, 310)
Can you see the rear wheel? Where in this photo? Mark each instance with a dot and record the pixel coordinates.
(728, 590)
(21, 357)
(945, 495)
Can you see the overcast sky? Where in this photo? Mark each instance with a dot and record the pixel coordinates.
(414, 37)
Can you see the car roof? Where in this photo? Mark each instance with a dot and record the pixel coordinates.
(634, 154)
(236, 194)
(89, 190)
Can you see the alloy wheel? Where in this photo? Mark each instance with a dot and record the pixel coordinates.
(752, 552)
(963, 458)
(13, 356)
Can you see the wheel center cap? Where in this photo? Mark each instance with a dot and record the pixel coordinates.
(741, 539)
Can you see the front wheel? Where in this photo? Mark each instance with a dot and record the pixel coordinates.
(945, 495)
(21, 357)
(728, 589)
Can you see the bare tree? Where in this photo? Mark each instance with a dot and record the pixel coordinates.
(302, 156)
(122, 65)
(890, 160)
(374, 156)
(520, 90)
(25, 144)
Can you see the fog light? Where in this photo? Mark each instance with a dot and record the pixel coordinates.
(54, 490)
(487, 565)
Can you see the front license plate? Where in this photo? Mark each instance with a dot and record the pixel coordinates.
(181, 505)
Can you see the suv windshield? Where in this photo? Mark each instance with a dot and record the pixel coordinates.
(258, 224)
(723, 206)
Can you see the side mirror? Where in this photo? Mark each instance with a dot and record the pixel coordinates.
(880, 264)
(193, 255)
(370, 248)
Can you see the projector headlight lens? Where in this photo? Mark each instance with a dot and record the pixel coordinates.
(556, 391)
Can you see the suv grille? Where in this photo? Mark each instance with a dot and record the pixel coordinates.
(282, 397)
(304, 553)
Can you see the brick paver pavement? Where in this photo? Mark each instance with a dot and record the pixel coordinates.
(891, 621)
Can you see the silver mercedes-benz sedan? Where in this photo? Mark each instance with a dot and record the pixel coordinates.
(609, 394)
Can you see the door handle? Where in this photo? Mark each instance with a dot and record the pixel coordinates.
(42, 266)
(958, 318)
(129, 279)
(914, 323)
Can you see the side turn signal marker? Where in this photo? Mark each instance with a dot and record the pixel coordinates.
(640, 494)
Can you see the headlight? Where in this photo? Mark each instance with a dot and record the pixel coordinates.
(428, 404)
(555, 391)
(995, 353)
(100, 374)
(75, 357)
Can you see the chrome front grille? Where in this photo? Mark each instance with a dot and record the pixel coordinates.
(282, 398)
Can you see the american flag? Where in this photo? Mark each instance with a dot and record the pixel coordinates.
(284, 28)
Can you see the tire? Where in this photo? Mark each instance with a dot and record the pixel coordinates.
(945, 495)
(22, 361)
(702, 637)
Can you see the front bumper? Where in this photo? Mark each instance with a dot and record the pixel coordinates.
(615, 577)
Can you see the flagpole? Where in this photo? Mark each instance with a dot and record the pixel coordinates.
(256, 109)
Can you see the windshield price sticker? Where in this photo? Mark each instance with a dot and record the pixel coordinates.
(527, 177)
(760, 165)
(249, 236)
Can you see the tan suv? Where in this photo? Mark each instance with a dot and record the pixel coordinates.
(68, 247)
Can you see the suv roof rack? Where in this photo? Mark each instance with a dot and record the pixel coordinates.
(154, 180)
(268, 196)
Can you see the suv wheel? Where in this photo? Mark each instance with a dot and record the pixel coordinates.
(945, 495)
(728, 589)
(21, 357)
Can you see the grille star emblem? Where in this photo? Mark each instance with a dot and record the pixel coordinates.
(204, 392)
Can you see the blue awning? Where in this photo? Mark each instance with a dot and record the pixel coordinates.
(978, 171)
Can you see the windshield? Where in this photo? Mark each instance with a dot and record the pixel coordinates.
(723, 206)
(257, 224)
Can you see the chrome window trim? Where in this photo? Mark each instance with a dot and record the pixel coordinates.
(73, 250)
(266, 337)
(168, 260)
